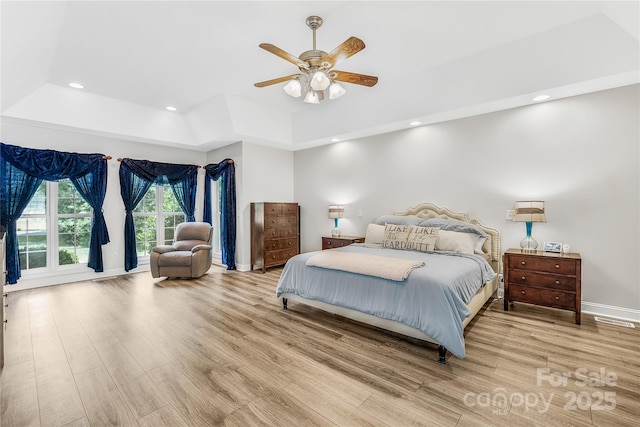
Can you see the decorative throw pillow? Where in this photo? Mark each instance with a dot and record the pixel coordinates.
(450, 224)
(374, 236)
(456, 242)
(422, 239)
(395, 236)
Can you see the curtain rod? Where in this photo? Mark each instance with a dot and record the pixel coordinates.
(230, 161)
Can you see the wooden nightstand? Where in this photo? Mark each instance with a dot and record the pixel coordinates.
(338, 242)
(543, 278)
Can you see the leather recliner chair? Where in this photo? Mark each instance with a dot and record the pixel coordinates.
(190, 254)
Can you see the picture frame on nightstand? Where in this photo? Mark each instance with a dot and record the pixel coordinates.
(552, 247)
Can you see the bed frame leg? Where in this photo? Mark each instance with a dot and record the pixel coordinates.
(284, 303)
(442, 352)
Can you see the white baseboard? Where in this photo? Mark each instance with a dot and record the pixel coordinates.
(622, 313)
(59, 278)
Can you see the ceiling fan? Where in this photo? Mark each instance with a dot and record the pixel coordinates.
(316, 68)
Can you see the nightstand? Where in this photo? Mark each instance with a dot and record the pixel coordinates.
(338, 242)
(543, 278)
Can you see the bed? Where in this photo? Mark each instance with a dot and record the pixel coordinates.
(443, 288)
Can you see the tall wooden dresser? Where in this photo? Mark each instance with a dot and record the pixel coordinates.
(275, 233)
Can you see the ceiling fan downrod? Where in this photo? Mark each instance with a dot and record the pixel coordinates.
(314, 22)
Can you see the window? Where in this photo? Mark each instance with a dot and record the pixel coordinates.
(57, 220)
(145, 221)
(74, 225)
(156, 218)
(32, 231)
(172, 213)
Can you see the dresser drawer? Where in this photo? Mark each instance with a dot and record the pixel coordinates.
(276, 244)
(335, 243)
(281, 221)
(542, 280)
(280, 233)
(280, 209)
(550, 265)
(278, 257)
(547, 297)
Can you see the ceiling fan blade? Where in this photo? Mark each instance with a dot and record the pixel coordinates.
(357, 79)
(348, 48)
(276, 81)
(284, 55)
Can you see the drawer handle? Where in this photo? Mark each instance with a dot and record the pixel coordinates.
(557, 282)
(557, 265)
(557, 297)
(522, 262)
(524, 278)
(523, 292)
(289, 243)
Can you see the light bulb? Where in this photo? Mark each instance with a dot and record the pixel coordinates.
(336, 91)
(293, 88)
(320, 81)
(311, 97)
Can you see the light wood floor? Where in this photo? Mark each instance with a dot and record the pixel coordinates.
(220, 350)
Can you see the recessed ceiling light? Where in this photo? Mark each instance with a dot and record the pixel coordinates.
(542, 97)
(335, 139)
(170, 108)
(415, 123)
(76, 85)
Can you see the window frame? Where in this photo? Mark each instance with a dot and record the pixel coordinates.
(159, 219)
(51, 217)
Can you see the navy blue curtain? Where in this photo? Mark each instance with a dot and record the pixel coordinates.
(136, 176)
(226, 172)
(21, 172)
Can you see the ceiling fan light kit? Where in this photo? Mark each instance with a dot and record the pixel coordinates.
(316, 67)
(293, 88)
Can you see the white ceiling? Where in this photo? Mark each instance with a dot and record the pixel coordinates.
(435, 61)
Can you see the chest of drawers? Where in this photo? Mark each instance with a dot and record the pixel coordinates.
(274, 233)
(543, 278)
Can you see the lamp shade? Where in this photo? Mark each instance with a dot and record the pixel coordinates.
(312, 97)
(320, 81)
(336, 211)
(529, 211)
(336, 91)
(293, 88)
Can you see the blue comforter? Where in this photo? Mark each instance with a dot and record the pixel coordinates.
(433, 298)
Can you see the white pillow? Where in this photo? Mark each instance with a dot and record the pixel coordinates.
(422, 239)
(456, 242)
(374, 236)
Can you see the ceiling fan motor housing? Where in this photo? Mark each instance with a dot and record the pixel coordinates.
(313, 58)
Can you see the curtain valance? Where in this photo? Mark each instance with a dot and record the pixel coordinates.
(21, 172)
(226, 172)
(136, 177)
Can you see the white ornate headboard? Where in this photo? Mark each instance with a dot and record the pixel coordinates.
(491, 246)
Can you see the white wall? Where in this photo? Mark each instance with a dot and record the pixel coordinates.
(262, 174)
(45, 138)
(267, 176)
(580, 155)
